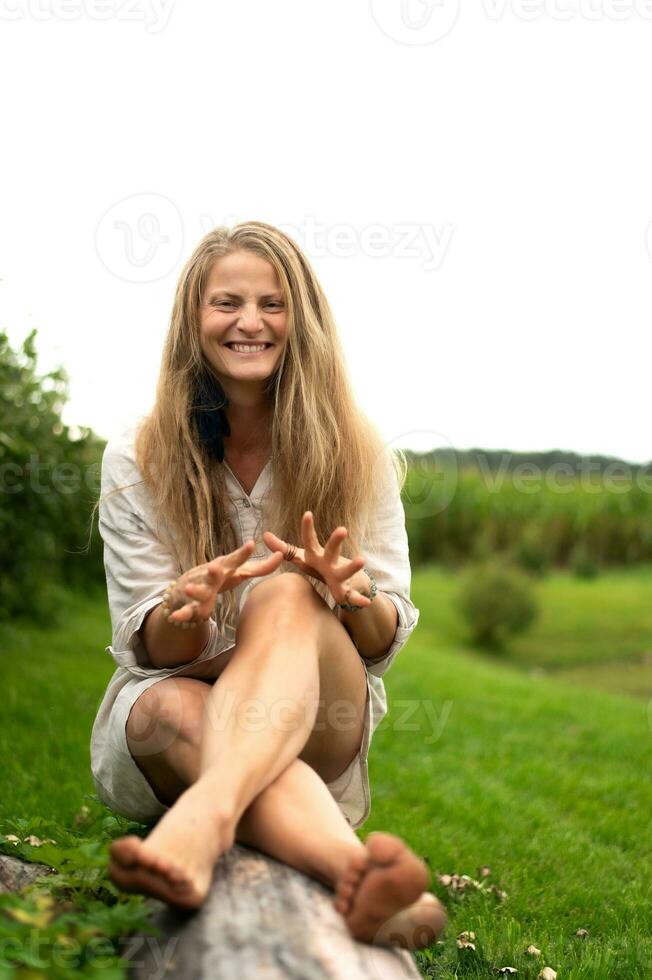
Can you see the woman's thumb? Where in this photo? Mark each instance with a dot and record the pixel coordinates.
(277, 543)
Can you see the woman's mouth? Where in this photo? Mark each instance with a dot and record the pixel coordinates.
(248, 350)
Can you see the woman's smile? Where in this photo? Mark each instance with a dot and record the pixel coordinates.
(248, 349)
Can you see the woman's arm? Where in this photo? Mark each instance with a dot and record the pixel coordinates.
(138, 570)
(373, 627)
(169, 646)
(382, 629)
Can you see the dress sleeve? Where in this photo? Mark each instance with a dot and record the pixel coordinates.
(385, 547)
(137, 564)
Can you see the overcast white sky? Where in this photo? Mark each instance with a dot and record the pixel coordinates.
(471, 182)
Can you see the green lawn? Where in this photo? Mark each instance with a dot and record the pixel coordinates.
(598, 632)
(480, 762)
(52, 683)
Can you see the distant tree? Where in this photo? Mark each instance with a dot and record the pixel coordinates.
(496, 601)
(49, 478)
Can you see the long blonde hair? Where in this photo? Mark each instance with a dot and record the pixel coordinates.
(323, 446)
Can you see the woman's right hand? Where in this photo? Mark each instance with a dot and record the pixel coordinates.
(194, 594)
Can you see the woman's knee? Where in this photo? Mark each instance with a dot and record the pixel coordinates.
(280, 597)
(171, 709)
(276, 588)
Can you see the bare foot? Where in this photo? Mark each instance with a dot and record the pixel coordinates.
(419, 925)
(382, 896)
(175, 862)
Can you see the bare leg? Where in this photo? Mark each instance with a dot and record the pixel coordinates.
(293, 817)
(297, 821)
(380, 885)
(288, 646)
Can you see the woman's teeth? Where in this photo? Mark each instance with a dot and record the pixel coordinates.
(247, 348)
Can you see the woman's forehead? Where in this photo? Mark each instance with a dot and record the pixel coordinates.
(240, 272)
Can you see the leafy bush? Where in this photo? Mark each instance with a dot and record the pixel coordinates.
(49, 480)
(496, 601)
(582, 563)
(531, 551)
(73, 923)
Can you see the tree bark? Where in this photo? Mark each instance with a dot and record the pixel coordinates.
(262, 920)
(16, 874)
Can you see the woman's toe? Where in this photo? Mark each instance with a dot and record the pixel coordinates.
(384, 848)
(126, 850)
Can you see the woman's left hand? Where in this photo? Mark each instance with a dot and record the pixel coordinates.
(325, 564)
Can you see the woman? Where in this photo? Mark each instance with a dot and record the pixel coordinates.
(244, 700)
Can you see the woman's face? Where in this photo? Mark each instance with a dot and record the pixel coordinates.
(243, 305)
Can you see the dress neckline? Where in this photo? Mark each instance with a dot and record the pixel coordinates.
(261, 478)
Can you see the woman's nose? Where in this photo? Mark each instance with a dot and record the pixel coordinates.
(250, 315)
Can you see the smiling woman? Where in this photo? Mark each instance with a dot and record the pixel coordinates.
(255, 462)
(244, 321)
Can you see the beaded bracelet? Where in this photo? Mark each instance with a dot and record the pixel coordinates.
(374, 589)
(165, 609)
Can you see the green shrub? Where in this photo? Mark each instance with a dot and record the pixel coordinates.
(531, 551)
(582, 563)
(49, 478)
(496, 601)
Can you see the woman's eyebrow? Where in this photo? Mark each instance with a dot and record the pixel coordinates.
(224, 294)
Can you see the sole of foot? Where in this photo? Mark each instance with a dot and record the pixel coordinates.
(134, 869)
(382, 896)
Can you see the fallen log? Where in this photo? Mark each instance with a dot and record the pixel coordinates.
(262, 920)
(16, 874)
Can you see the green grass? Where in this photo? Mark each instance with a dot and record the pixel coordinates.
(597, 632)
(543, 780)
(52, 682)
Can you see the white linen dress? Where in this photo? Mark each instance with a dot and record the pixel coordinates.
(138, 569)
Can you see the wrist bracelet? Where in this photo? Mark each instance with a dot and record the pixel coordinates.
(349, 607)
(186, 624)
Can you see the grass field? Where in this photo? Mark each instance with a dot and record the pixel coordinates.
(596, 631)
(511, 763)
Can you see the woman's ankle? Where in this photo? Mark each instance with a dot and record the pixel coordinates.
(224, 817)
(334, 858)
